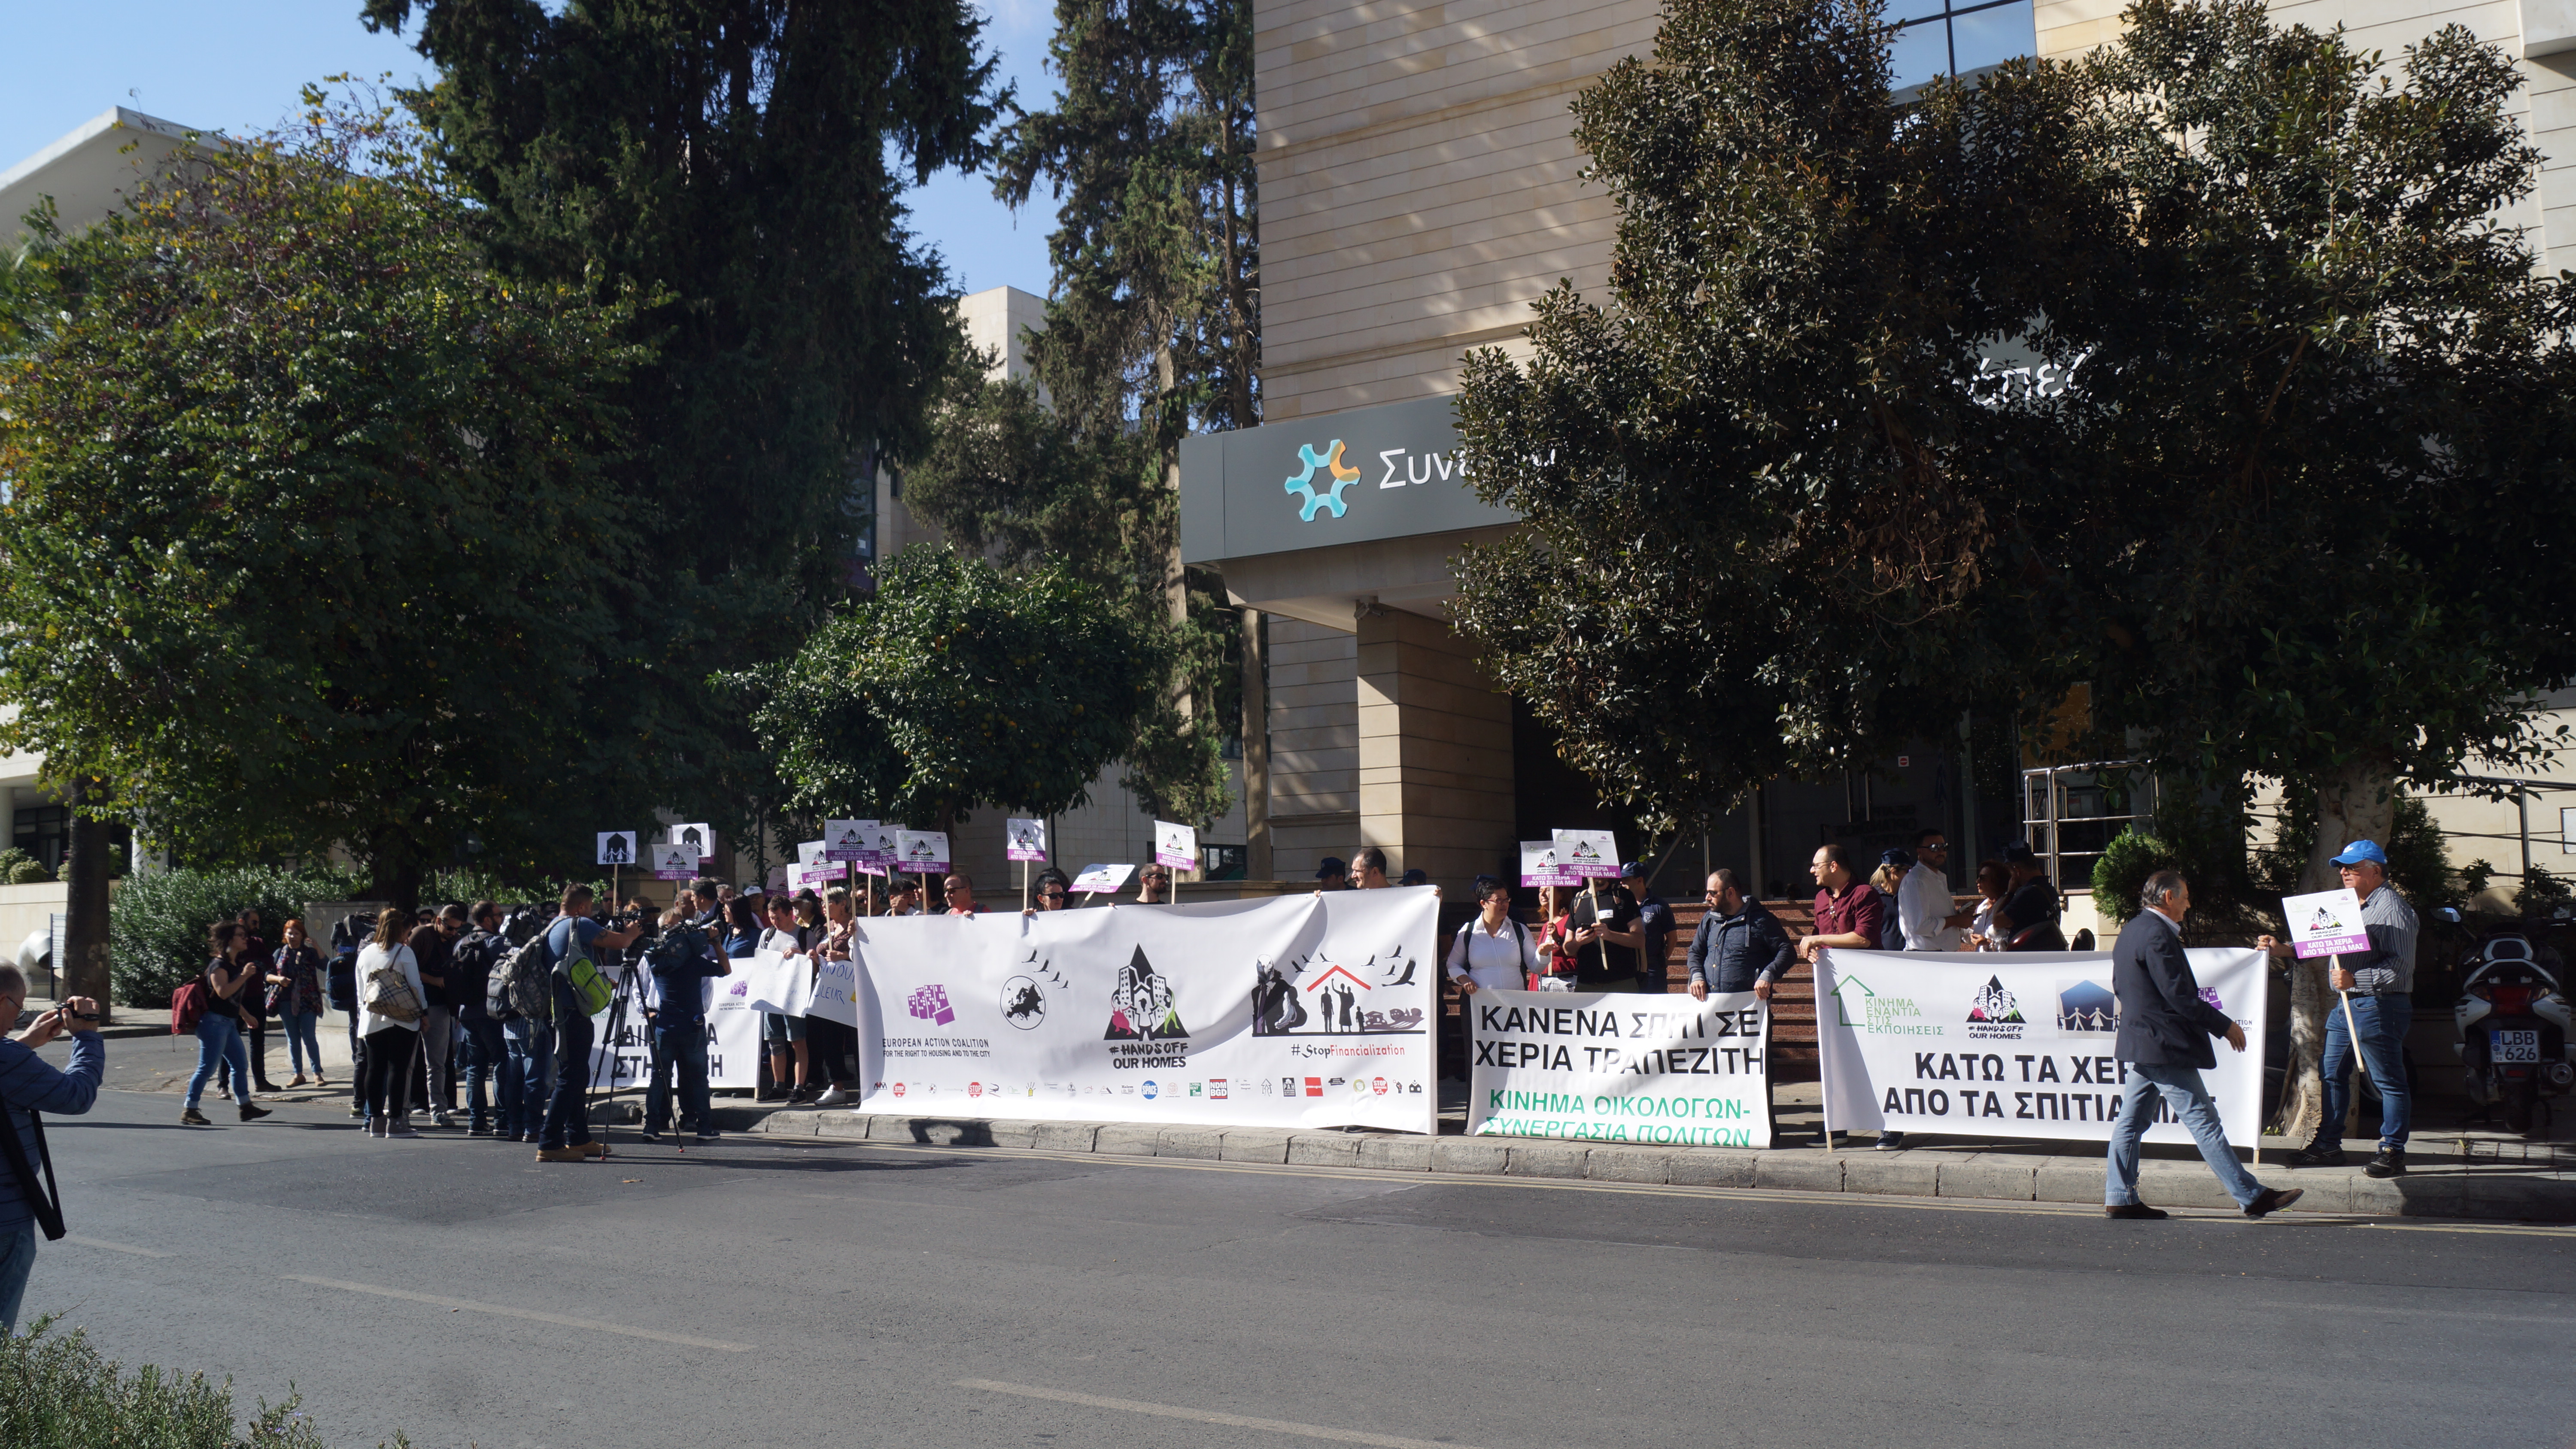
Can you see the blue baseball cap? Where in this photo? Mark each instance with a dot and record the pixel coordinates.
(1633, 870)
(2361, 850)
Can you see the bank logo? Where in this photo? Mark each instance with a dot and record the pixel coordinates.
(2087, 1006)
(1303, 485)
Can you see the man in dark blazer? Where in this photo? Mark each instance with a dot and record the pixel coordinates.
(2163, 1044)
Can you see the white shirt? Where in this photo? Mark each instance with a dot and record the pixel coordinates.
(1503, 961)
(402, 960)
(1922, 904)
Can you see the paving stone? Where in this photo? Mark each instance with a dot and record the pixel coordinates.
(1010, 1132)
(1401, 1154)
(1903, 1174)
(1629, 1164)
(1706, 1168)
(2181, 1184)
(1207, 1143)
(1128, 1139)
(1324, 1149)
(1256, 1144)
(1468, 1154)
(1065, 1136)
(838, 1124)
(1544, 1159)
(1799, 1171)
(1994, 1177)
(2063, 1181)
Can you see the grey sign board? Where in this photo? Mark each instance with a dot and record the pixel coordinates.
(1347, 477)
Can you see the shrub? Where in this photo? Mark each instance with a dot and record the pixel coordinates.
(157, 925)
(56, 1392)
(11, 857)
(29, 872)
(2121, 873)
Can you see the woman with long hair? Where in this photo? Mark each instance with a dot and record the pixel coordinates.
(1555, 939)
(219, 1029)
(295, 999)
(391, 1001)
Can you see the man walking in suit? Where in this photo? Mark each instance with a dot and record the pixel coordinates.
(2164, 1044)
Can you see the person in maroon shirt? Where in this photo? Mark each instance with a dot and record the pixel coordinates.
(1848, 912)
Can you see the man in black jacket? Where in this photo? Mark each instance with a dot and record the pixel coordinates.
(1739, 946)
(2165, 1029)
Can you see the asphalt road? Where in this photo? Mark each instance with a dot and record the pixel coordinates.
(771, 1292)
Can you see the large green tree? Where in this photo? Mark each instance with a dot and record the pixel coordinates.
(310, 532)
(743, 161)
(1153, 332)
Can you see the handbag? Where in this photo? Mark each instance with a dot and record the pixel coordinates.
(390, 996)
(47, 1206)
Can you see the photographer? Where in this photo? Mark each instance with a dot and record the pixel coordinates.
(566, 1135)
(28, 1085)
(681, 962)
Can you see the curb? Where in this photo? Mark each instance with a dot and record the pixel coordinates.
(2487, 1195)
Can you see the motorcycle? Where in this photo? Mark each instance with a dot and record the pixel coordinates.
(2514, 1026)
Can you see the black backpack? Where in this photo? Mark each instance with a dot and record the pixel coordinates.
(469, 970)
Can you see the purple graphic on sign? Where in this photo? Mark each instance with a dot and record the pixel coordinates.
(741, 988)
(2210, 995)
(930, 1003)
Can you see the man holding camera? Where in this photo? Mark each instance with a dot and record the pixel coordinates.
(28, 1085)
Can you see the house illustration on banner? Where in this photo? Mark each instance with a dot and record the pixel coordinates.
(1843, 1005)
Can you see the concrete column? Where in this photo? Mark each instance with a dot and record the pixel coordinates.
(1435, 751)
(1256, 748)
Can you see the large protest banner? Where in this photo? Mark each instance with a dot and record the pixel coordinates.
(1602, 1066)
(2018, 1044)
(623, 1059)
(1306, 1011)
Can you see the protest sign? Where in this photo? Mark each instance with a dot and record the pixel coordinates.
(1543, 865)
(733, 1037)
(820, 876)
(834, 994)
(1176, 846)
(1311, 1011)
(673, 862)
(1102, 880)
(733, 1032)
(810, 852)
(846, 839)
(2011, 1045)
(2326, 923)
(1600, 1066)
(1024, 839)
(773, 982)
(616, 847)
(1586, 854)
(699, 835)
(921, 852)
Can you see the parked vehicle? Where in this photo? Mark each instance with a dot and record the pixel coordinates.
(2513, 1024)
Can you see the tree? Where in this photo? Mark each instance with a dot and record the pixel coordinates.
(1153, 330)
(310, 533)
(736, 161)
(954, 687)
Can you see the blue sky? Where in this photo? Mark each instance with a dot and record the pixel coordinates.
(237, 64)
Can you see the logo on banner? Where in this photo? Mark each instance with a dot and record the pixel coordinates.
(1996, 1014)
(1314, 1086)
(1023, 1004)
(930, 1004)
(2087, 1006)
(1303, 485)
(1855, 1005)
(1216, 1088)
(1149, 1089)
(1144, 1020)
(898, 1089)
(1333, 1001)
(974, 1089)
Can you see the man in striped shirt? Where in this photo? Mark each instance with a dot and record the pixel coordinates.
(30, 1084)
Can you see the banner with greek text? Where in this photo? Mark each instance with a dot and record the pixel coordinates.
(623, 1060)
(2011, 1044)
(1304, 1011)
(1604, 1066)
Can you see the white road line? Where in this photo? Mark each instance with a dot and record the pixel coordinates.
(1207, 1416)
(471, 1306)
(115, 1247)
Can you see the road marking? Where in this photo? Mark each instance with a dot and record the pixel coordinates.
(1400, 1178)
(116, 1247)
(470, 1305)
(1208, 1416)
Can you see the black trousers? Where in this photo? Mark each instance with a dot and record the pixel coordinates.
(389, 1060)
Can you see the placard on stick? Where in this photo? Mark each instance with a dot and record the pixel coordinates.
(1024, 839)
(1542, 864)
(921, 852)
(1586, 854)
(697, 834)
(847, 839)
(2326, 923)
(673, 861)
(1102, 880)
(1176, 846)
(616, 847)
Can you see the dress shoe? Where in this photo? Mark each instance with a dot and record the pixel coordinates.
(2134, 1212)
(2391, 1162)
(191, 1117)
(562, 1154)
(2272, 1200)
(250, 1113)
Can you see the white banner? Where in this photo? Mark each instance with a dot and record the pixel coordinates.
(774, 982)
(834, 994)
(1603, 1066)
(733, 1037)
(1309, 1011)
(2011, 1044)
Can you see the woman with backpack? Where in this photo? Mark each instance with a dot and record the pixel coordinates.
(1492, 950)
(218, 1025)
(390, 1003)
(295, 998)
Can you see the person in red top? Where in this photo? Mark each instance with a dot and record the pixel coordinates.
(1555, 939)
(1848, 912)
(961, 896)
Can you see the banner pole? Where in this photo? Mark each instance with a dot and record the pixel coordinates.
(2360, 1063)
(1824, 1089)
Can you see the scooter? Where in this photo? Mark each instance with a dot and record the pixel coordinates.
(2514, 1026)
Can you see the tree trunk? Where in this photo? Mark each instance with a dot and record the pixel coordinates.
(81, 959)
(2358, 802)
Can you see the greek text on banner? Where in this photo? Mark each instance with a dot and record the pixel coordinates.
(1601, 1066)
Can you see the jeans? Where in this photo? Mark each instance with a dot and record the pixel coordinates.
(568, 1115)
(17, 1260)
(219, 1041)
(2179, 1087)
(682, 1049)
(304, 1041)
(2383, 1021)
(486, 1051)
(527, 1076)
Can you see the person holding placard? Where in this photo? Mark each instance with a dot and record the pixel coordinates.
(959, 891)
(832, 1048)
(2163, 1042)
(1153, 886)
(784, 1034)
(2378, 988)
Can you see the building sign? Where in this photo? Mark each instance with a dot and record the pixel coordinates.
(1346, 477)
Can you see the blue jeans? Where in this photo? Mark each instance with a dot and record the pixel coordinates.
(681, 1048)
(2383, 1021)
(527, 1076)
(304, 1041)
(219, 1043)
(486, 1052)
(568, 1116)
(17, 1260)
(2180, 1087)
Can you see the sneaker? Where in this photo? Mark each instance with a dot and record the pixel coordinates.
(373, 1127)
(836, 1097)
(402, 1129)
(800, 1097)
(562, 1154)
(357, 1109)
(191, 1117)
(1891, 1142)
(2391, 1162)
(649, 1135)
(769, 1094)
(2273, 1200)
(250, 1113)
(2315, 1155)
(2134, 1212)
(443, 1118)
(478, 1131)
(709, 1134)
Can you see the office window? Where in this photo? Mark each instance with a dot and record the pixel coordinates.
(1959, 39)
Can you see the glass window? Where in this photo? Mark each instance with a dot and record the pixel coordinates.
(1917, 54)
(1958, 39)
(1989, 37)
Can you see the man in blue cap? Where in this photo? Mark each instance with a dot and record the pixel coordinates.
(1654, 928)
(2379, 986)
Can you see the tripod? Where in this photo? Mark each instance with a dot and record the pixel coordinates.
(618, 1001)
